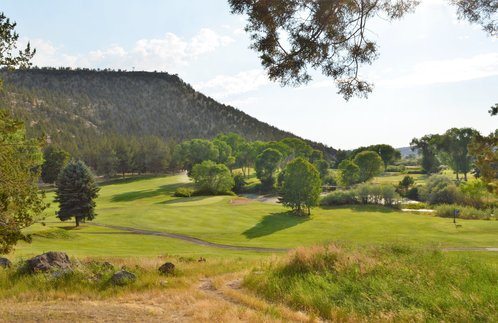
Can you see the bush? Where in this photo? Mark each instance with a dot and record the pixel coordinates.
(183, 192)
(415, 206)
(465, 212)
(339, 198)
(395, 169)
(377, 194)
(440, 189)
(412, 194)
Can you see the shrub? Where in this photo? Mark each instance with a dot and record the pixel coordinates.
(377, 194)
(465, 212)
(339, 198)
(412, 194)
(395, 169)
(440, 189)
(415, 206)
(212, 178)
(183, 192)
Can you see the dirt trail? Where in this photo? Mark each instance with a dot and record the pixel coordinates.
(189, 239)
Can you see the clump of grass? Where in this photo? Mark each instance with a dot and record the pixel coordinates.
(390, 282)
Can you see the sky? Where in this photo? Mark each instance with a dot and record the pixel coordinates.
(434, 71)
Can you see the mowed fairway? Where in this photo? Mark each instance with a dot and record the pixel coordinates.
(148, 204)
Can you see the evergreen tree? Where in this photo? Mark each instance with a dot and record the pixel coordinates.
(55, 160)
(302, 185)
(76, 192)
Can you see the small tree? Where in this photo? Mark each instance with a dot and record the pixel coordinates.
(349, 173)
(370, 164)
(302, 185)
(323, 167)
(76, 191)
(55, 159)
(212, 178)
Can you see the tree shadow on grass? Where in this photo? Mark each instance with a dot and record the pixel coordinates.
(274, 222)
(185, 200)
(363, 208)
(137, 195)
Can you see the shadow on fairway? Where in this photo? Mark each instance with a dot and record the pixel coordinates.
(274, 222)
(137, 195)
(185, 200)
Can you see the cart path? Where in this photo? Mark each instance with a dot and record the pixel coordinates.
(188, 239)
(231, 247)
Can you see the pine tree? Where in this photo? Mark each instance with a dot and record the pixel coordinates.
(76, 191)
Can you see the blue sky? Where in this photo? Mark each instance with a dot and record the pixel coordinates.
(434, 72)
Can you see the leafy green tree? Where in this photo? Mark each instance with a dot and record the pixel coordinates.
(212, 178)
(266, 166)
(483, 149)
(55, 159)
(156, 154)
(494, 110)
(76, 193)
(349, 173)
(194, 151)
(405, 184)
(302, 185)
(245, 157)
(20, 158)
(315, 156)
(323, 168)
(453, 148)
(20, 201)
(233, 140)
(298, 147)
(388, 154)
(295, 37)
(426, 146)
(370, 165)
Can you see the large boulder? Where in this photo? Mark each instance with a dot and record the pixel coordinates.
(167, 268)
(50, 261)
(5, 263)
(122, 278)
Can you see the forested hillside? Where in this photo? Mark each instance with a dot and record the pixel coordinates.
(73, 107)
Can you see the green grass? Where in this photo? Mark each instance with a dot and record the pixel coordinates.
(147, 203)
(395, 178)
(386, 283)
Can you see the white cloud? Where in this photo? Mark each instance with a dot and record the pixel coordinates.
(446, 71)
(165, 53)
(223, 86)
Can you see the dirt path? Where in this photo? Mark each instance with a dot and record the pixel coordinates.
(189, 239)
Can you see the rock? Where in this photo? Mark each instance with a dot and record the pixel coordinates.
(5, 263)
(122, 278)
(167, 268)
(50, 261)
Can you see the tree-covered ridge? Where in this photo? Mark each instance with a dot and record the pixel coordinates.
(74, 106)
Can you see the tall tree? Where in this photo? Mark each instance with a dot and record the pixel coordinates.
(76, 193)
(194, 151)
(485, 152)
(370, 164)
(266, 166)
(453, 147)
(20, 158)
(302, 185)
(55, 159)
(426, 146)
(20, 201)
(294, 37)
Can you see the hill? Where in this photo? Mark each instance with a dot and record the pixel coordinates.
(73, 106)
(407, 151)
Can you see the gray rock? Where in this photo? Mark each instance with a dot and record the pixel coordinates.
(122, 278)
(167, 268)
(50, 261)
(5, 263)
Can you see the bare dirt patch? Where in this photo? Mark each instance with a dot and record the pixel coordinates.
(240, 201)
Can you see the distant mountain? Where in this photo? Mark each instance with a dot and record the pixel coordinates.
(74, 106)
(407, 151)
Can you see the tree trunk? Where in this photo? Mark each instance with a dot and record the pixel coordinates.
(458, 178)
(77, 219)
(309, 211)
(465, 176)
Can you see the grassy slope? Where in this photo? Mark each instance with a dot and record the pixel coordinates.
(148, 204)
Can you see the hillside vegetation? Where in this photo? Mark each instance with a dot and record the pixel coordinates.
(74, 107)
